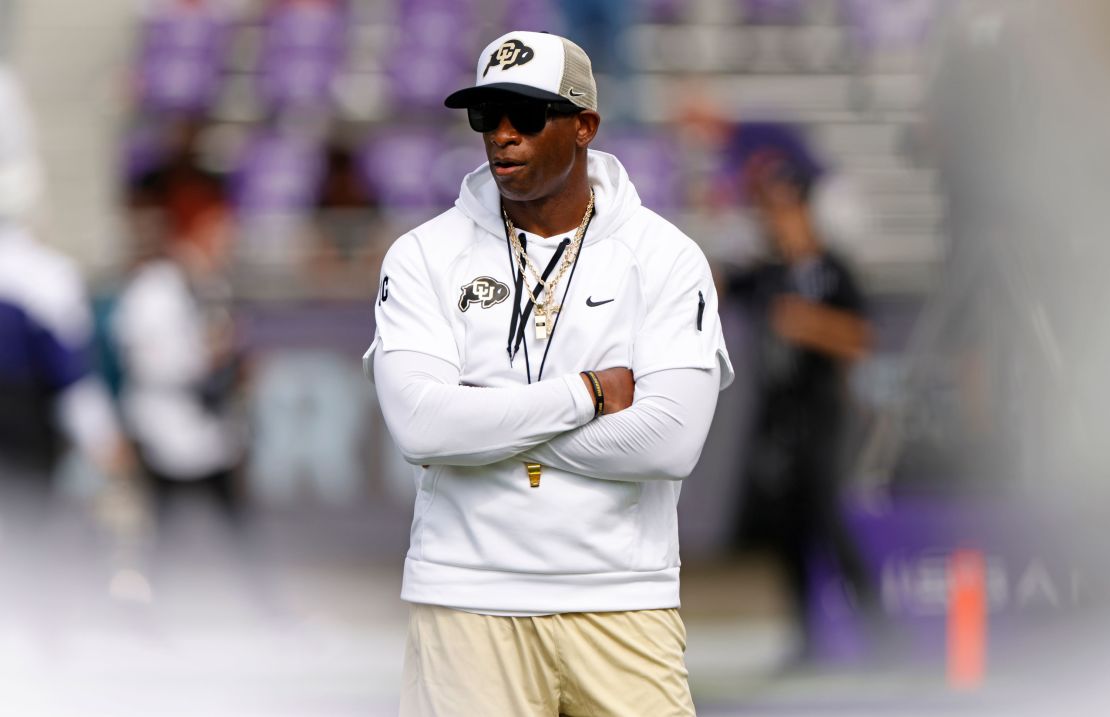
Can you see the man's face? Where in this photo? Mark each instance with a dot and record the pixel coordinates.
(533, 165)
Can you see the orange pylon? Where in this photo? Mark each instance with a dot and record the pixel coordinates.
(967, 619)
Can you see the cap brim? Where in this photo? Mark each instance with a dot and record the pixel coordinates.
(473, 95)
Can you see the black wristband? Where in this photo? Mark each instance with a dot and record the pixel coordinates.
(599, 395)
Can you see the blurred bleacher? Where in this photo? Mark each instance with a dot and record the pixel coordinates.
(281, 82)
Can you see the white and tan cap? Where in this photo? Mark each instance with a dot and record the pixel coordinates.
(532, 64)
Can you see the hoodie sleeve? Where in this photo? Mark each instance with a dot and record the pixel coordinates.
(681, 328)
(434, 420)
(659, 437)
(408, 314)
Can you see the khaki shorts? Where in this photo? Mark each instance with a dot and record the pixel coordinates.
(619, 664)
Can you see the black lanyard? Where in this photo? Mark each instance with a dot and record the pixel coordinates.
(519, 321)
(555, 325)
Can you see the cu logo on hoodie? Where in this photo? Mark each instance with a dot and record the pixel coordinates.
(510, 54)
(484, 291)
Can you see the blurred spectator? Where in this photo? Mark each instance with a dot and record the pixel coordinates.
(346, 205)
(808, 314)
(177, 185)
(49, 392)
(342, 229)
(175, 335)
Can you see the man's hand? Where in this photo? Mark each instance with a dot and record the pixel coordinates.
(618, 386)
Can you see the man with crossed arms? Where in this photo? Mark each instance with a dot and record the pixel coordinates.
(548, 354)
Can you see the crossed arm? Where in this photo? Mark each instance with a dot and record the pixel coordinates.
(434, 420)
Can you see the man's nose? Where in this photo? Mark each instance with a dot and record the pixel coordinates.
(505, 134)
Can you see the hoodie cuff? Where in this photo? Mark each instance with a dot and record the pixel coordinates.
(583, 399)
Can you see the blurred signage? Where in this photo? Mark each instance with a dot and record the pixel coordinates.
(1032, 569)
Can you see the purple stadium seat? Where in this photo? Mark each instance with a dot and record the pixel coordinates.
(307, 25)
(409, 9)
(143, 149)
(880, 24)
(398, 166)
(653, 164)
(184, 27)
(178, 83)
(278, 173)
(663, 11)
(534, 15)
(464, 155)
(423, 82)
(298, 80)
(773, 12)
(434, 51)
(182, 49)
(303, 51)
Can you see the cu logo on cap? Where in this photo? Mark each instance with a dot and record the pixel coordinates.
(484, 291)
(510, 54)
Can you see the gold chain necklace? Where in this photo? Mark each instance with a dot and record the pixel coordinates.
(545, 311)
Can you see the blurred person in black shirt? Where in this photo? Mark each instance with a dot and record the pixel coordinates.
(808, 316)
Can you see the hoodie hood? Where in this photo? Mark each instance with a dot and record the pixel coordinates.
(615, 199)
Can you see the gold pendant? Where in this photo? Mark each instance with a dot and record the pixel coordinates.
(533, 474)
(545, 321)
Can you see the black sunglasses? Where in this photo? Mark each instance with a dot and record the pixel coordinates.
(528, 117)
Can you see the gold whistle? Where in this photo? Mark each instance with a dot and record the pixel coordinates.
(533, 474)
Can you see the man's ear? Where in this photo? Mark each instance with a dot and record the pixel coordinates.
(588, 122)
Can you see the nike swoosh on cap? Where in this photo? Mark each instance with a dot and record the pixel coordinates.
(590, 301)
(575, 93)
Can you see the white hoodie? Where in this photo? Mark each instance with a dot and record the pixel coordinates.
(640, 296)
